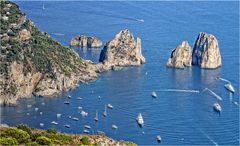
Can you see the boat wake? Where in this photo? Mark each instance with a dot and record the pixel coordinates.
(179, 90)
(222, 79)
(58, 34)
(217, 96)
(208, 137)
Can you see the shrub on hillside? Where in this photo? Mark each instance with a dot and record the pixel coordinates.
(8, 141)
(20, 135)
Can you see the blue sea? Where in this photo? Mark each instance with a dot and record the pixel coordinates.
(181, 118)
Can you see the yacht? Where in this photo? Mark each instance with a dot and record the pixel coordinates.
(54, 123)
(66, 102)
(229, 87)
(154, 94)
(59, 115)
(140, 119)
(109, 106)
(86, 131)
(83, 113)
(67, 126)
(159, 139)
(114, 127)
(87, 126)
(217, 107)
(75, 119)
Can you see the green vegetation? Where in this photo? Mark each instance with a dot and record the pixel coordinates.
(128, 143)
(20, 135)
(42, 140)
(9, 141)
(41, 53)
(85, 141)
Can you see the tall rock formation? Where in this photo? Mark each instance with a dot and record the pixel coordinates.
(181, 56)
(206, 52)
(122, 50)
(86, 41)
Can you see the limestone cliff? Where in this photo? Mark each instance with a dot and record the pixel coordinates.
(32, 63)
(122, 50)
(181, 56)
(206, 52)
(86, 41)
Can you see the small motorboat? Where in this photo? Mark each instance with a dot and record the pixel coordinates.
(229, 87)
(114, 127)
(154, 94)
(96, 118)
(80, 108)
(140, 120)
(36, 109)
(217, 107)
(54, 123)
(59, 115)
(159, 139)
(79, 98)
(105, 111)
(100, 133)
(28, 114)
(41, 124)
(86, 131)
(109, 106)
(75, 119)
(83, 113)
(66, 102)
(87, 126)
(29, 106)
(67, 126)
(69, 96)
(40, 113)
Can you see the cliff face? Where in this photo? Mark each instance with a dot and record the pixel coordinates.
(31, 62)
(86, 41)
(181, 56)
(122, 50)
(206, 52)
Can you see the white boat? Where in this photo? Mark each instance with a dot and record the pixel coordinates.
(140, 119)
(87, 126)
(41, 124)
(75, 119)
(229, 87)
(217, 107)
(69, 96)
(59, 115)
(67, 126)
(66, 102)
(54, 123)
(40, 113)
(79, 107)
(114, 127)
(79, 98)
(109, 106)
(86, 131)
(154, 94)
(159, 139)
(36, 109)
(29, 106)
(105, 111)
(83, 113)
(96, 118)
(28, 114)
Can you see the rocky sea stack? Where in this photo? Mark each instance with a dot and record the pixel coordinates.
(123, 50)
(181, 56)
(86, 41)
(206, 51)
(32, 63)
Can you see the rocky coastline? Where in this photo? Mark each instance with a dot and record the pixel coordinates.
(33, 64)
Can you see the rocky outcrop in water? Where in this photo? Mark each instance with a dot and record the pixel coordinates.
(206, 52)
(122, 50)
(32, 63)
(86, 41)
(181, 56)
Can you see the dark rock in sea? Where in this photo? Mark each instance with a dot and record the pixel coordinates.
(86, 41)
(122, 50)
(206, 52)
(181, 56)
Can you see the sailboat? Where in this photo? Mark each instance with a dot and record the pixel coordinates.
(105, 111)
(96, 118)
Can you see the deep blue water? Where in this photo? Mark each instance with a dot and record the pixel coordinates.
(180, 118)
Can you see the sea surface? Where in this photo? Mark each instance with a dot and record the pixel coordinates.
(180, 118)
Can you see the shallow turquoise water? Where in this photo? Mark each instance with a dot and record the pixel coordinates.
(180, 118)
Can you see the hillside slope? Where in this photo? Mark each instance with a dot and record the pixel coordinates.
(32, 63)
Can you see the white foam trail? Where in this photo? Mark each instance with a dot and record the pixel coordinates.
(225, 80)
(179, 90)
(217, 96)
(205, 134)
(59, 34)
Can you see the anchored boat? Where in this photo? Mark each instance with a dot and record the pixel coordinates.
(229, 87)
(217, 107)
(140, 120)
